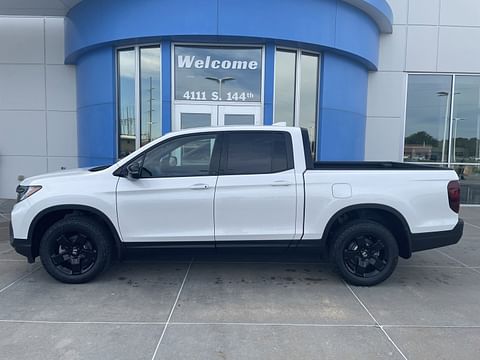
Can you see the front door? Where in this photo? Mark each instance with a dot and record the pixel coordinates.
(198, 115)
(239, 115)
(173, 198)
(194, 116)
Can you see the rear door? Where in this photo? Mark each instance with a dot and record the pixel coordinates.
(256, 192)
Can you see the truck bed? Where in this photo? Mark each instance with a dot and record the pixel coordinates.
(370, 165)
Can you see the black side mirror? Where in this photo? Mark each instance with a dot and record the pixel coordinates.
(134, 170)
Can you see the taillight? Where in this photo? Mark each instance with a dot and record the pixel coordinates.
(454, 195)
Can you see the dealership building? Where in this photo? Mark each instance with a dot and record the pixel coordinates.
(86, 82)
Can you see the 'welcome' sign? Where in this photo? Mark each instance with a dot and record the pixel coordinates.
(218, 74)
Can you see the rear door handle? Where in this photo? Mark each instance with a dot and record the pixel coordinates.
(199, 187)
(281, 183)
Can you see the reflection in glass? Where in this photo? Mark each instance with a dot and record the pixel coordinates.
(126, 101)
(184, 156)
(428, 118)
(285, 67)
(239, 119)
(466, 120)
(150, 114)
(307, 112)
(194, 120)
(469, 183)
(231, 74)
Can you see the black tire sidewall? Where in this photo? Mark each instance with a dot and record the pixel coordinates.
(352, 230)
(96, 234)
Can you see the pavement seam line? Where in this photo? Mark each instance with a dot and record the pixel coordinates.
(172, 310)
(375, 320)
(180, 323)
(433, 326)
(19, 279)
(3, 216)
(59, 322)
(475, 226)
(458, 261)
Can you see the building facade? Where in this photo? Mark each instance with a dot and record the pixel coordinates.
(87, 82)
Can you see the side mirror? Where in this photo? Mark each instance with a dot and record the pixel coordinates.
(134, 170)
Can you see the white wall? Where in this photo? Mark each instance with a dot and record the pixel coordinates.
(428, 36)
(38, 130)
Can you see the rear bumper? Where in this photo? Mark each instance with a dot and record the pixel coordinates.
(22, 246)
(432, 240)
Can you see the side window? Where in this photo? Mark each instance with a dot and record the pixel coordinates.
(184, 156)
(257, 153)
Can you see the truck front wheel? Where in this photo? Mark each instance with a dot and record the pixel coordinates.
(75, 249)
(365, 252)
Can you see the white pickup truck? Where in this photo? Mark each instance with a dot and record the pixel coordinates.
(236, 186)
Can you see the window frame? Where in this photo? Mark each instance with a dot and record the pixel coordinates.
(225, 141)
(298, 78)
(137, 96)
(447, 163)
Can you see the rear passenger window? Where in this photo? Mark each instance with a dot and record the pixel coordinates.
(257, 153)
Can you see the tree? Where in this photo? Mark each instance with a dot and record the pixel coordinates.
(421, 138)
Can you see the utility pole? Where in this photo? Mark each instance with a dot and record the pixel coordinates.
(150, 111)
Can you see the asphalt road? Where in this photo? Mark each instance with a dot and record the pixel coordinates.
(244, 305)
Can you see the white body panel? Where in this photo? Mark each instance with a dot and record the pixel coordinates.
(167, 209)
(419, 196)
(256, 207)
(75, 187)
(241, 207)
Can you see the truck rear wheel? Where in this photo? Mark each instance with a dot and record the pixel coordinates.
(365, 252)
(75, 250)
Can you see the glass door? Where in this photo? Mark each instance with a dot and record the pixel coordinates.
(194, 116)
(239, 115)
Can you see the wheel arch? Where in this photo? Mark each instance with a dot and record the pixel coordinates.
(383, 214)
(44, 219)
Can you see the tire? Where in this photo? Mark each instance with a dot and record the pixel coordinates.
(365, 252)
(75, 250)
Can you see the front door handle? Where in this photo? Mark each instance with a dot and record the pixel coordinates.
(281, 183)
(199, 187)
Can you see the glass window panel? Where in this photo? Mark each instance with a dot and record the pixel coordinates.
(285, 68)
(195, 120)
(150, 86)
(256, 153)
(427, 126)
(239, 119)
(466, 120)
(218, 74)
(184, 156)
(126, 102)
(469, 183)
(307, 112)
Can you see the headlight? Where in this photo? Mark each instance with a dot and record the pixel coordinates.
(24, 192)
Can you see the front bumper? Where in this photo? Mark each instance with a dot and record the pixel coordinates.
(432, 240)
(22, 246)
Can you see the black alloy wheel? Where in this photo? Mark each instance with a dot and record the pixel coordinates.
(365, 252)
(74, 253)
(365, 256)
(75, 249)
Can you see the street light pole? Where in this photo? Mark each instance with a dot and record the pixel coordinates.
(455, 120)
(220, 82)
(447, 111)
